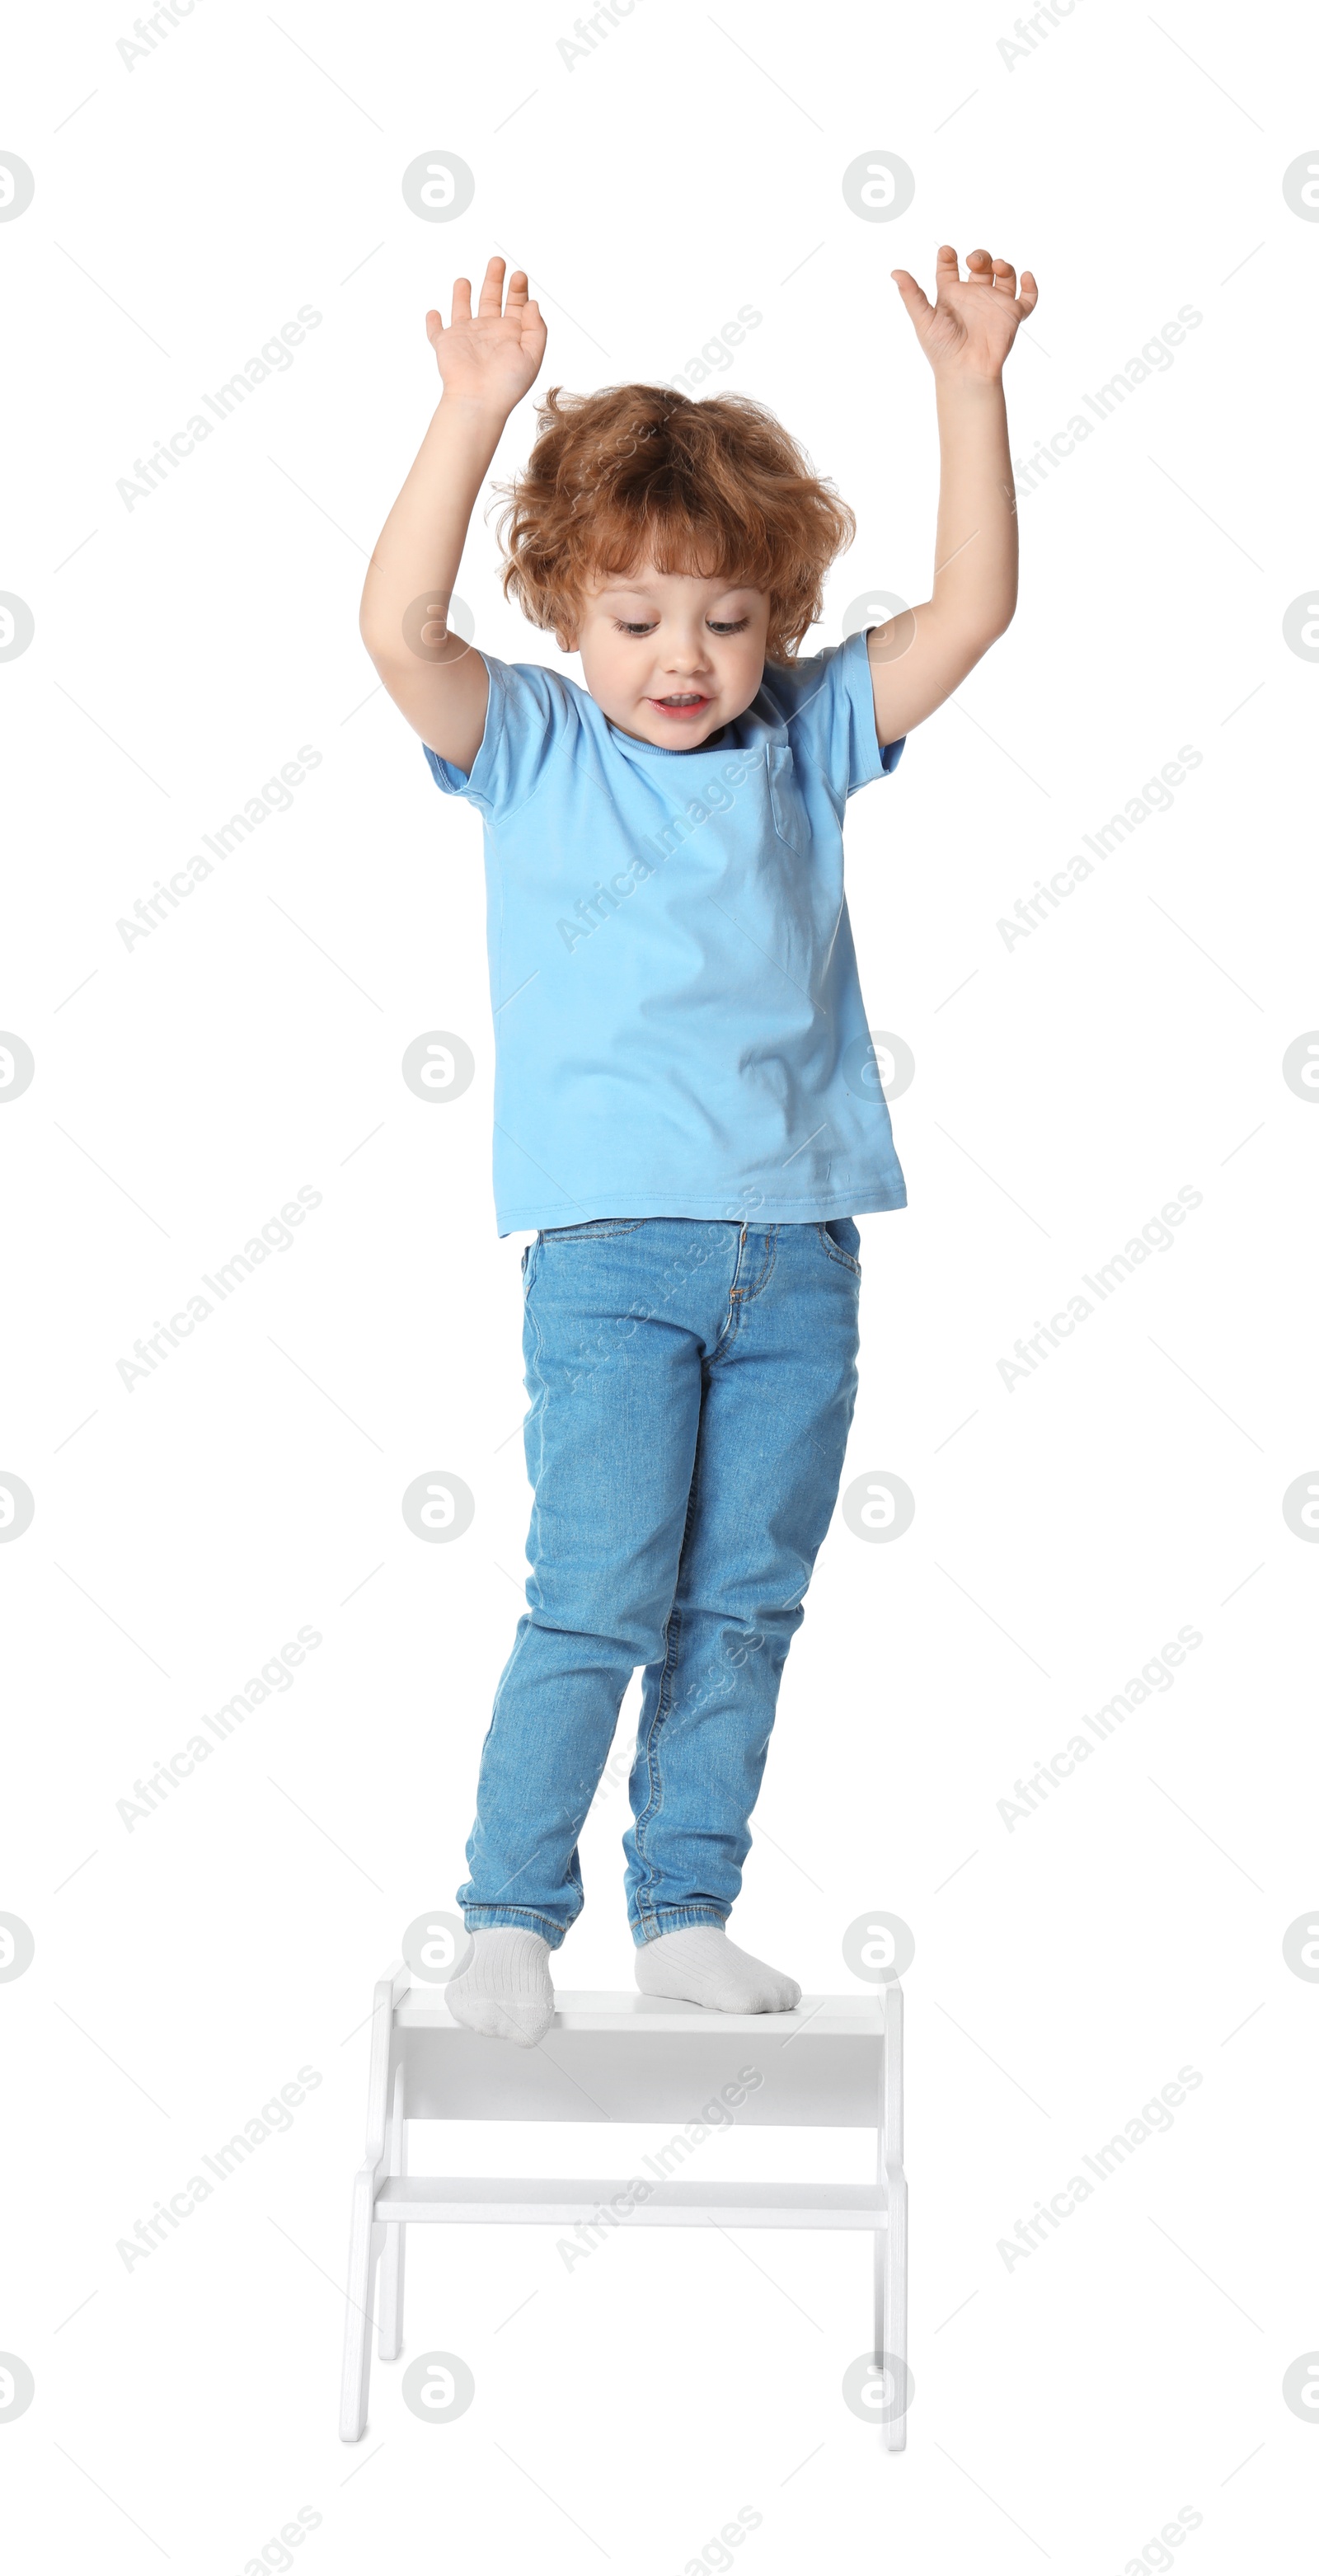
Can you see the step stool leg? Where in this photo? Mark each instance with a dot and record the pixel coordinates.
(363, 2246)
(391, 2264)
(891, 2241)
(891, 2296)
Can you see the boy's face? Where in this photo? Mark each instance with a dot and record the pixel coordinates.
(668, 656)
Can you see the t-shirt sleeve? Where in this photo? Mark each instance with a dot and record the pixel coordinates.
(531, 722)
(829, 705)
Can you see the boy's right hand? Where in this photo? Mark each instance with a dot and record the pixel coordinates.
(488, 361)
(491, 358)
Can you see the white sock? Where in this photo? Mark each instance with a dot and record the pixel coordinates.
(505, 1990)
(702, 1966)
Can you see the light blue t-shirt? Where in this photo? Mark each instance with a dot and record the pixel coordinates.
(679, 1029)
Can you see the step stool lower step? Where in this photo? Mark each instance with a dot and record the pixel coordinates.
(637, 2202)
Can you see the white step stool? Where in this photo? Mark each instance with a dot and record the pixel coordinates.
(835, 2062)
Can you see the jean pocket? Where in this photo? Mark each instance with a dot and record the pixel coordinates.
(841, 1239)
(596, 1231)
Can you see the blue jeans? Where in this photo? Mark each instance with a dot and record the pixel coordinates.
(692, 1386)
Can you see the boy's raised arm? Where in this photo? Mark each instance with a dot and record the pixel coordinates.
(487, 362)
(917, 660)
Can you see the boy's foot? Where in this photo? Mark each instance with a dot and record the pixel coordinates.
(505, 1990)
(702, 1966)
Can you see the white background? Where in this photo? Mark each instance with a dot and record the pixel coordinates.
(1067, 2407)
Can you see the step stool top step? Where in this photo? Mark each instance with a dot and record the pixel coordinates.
(858, 2016)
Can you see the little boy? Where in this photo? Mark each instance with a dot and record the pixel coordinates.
(687, 1105)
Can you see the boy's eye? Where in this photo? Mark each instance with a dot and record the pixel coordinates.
(639, 626)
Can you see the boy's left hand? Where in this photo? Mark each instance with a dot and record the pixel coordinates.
(971, 328)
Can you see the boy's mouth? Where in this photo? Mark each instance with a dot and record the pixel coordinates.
(682, 703)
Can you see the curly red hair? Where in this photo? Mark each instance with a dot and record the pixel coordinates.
(714, 488)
